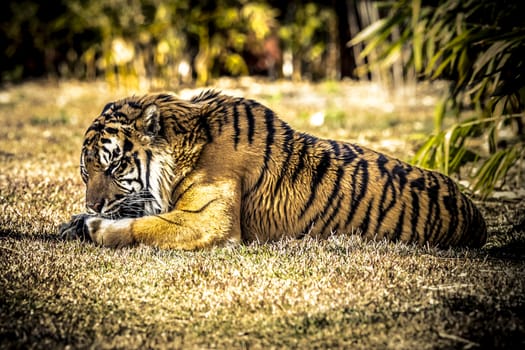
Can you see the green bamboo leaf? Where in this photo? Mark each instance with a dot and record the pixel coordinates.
(416, 9)
(458, 159)
(450, 49)
(492, 139)
(425, 153)
(369, 32)
(450, 138)
(463, 67)
(495, 169)
(439, 70)
(484, 178)
(375, 42)
(491, 54)
(391, 55)
(508, 160)
(417, 43)
(418, 29)
(439, 113)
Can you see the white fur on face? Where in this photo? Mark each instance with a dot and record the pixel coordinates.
(155, 186)
(108, 150)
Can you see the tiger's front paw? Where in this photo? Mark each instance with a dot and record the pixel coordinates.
(110, 233)
(106, 232)
(76, 228)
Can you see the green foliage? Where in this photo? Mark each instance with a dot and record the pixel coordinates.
(301, 34)
(165, 43)
(148, 38)
(479, 46)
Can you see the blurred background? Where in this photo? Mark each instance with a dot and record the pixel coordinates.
(474, 48)
(173, 42)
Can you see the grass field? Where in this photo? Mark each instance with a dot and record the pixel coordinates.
(341, 292)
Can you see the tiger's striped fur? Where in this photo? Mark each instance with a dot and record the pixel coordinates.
(219, 169)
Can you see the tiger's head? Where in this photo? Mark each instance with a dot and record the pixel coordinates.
(136, 151)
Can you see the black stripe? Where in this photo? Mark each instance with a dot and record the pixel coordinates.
(388, 186)
(111, 130)
(288, 134)
(466, 219)
(161, 129)
(383, 208)
(149, 156)
(288, 146)
(128, 145)
(236, 128)
(116, 152)
(136, 158)
(451, 206)
(335, 190)
(433, 213)
(398, 231)
(215, 115)
(401, 172)
(107, 107)
(110, 118)
(105, 140)
(332, 217)
(107, 152)
(335, 147)
(357, 148)
(381, 161)
(268, 119)
(417, 184)
(270, 129)
(97, 127)
(301, 161)
(329, 202)
(200, 210)
(473, 222)
(318, 177)
(224, 118)
(359, 187)
(348, 154)
(134, 105)
(180, 195)
(120, 115)
(221, 123)
(164, 97)
(203, 121)
(366, 220)
(121, 186)
(251, 121)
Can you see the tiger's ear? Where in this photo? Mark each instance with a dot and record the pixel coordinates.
(149, 124)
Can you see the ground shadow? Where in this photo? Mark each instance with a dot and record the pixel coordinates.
(44, 237)
(489, 324)
(509, 244)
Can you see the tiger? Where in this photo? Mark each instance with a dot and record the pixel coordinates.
(216, 170)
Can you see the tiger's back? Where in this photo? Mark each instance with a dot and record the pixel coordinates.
(218, 169)
(295, 184)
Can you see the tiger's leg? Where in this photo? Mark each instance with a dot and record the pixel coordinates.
(205, 215)
(173, 230)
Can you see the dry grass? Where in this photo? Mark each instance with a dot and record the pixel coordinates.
(342, 292)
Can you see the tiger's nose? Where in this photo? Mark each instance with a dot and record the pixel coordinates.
(96, 206)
